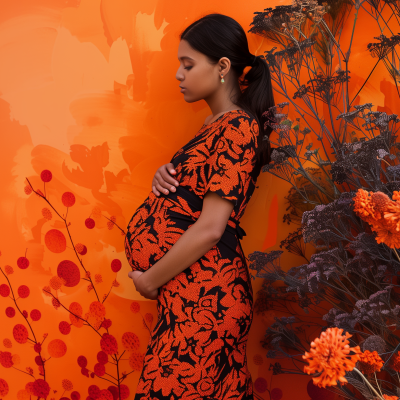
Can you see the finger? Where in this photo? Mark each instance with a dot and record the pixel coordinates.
(161, 189)
(166, 179)
(170, 168)
(155, 191)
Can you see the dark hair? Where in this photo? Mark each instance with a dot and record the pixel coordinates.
(217, 36)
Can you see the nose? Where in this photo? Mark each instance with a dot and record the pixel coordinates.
(179, 75)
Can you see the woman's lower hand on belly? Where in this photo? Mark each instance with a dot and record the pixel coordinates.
(141, 287)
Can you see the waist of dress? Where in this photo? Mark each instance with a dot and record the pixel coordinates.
(196, 204)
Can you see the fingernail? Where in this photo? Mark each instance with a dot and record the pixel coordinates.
(173, 189)
(165, 191)
(176, 183)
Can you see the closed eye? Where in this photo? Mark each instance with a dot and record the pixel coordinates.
(187, 67)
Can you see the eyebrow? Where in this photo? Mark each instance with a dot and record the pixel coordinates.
(182, 58)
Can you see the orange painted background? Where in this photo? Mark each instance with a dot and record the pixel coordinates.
(88, 93)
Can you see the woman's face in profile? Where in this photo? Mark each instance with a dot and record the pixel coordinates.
(195, 73)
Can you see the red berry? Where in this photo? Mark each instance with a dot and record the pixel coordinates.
(23, 262)
(68, 199)
(90, 223)
(46, 175)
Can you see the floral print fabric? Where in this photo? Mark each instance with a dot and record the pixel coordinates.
(197, 349)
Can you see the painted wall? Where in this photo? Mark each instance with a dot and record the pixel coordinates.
(88, 94)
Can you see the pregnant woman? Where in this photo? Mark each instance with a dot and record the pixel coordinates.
(183, 244)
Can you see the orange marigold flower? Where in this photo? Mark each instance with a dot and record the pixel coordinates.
(380, 201)
(387, 236)
(330, 356)
(392, 215)
(396, 195)
(370, 362)
(387, 397)
(396, 362)
(363, 206)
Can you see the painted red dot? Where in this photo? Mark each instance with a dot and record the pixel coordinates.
(106, 395)
(102, 357)
(64, 327)
(6, 359)
(23, 262)
(57, 348)
(92, 375)
(4, 388)
(124, 392)
(23, 291)
(4, 290)
(109, 344)
(55, 241)
(41, 388)
(69, 271)
(85, 371)
(261, 385)
(81, 249)
(68, 199)
(75, 395)
(25, 313)
(46, 175)
(10, 312)
(20, 333)
(116, 265)
(82, 361)
(38, 360)
(37, 347)
(106, 323)
(135, 307)
(114, 391)
(276, 394)
(94, 391)
(99, 369)
(89, 222)
(35, 315)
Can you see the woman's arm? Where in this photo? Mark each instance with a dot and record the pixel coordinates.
(192, 245)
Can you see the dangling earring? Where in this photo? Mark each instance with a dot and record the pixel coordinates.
(222, 80)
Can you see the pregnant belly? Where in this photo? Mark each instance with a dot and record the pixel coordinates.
(152, 231)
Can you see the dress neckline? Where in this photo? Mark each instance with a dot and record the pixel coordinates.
(211, 123)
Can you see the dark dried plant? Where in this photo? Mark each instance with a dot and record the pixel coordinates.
(350, 281)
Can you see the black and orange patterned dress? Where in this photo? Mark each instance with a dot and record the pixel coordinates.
(197, 349)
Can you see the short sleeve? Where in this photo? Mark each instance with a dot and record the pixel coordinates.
(228, 169)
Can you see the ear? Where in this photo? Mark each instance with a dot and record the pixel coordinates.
(224, 65)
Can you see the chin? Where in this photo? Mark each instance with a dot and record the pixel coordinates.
(191, 100)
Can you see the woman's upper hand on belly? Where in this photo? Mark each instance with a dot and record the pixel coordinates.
(163, 181)
(141, 287)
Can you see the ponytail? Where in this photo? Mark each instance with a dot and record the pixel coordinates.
(257, 98)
